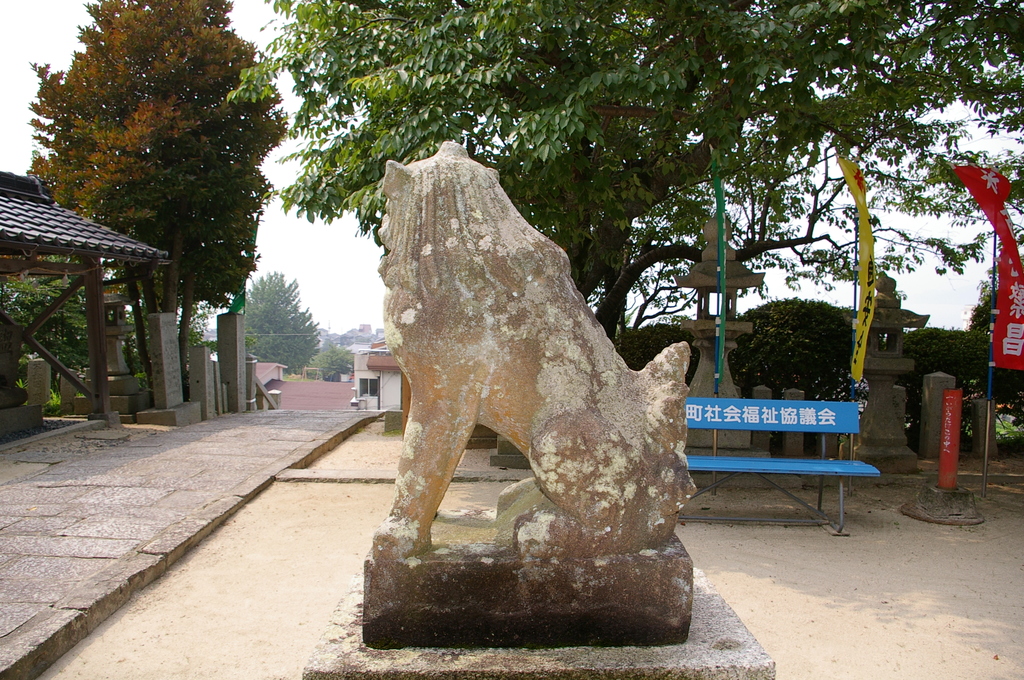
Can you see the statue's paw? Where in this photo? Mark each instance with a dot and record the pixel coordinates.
(536, 535)
(398, 538)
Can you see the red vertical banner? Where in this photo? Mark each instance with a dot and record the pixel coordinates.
(949, 452)
(990, 190)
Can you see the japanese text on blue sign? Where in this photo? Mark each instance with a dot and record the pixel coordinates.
(772, 415)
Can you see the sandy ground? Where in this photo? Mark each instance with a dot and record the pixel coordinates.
(896, 599)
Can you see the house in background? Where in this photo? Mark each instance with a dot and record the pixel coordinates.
(267, 371)
(378, 379)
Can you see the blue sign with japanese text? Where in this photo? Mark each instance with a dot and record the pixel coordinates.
(772, 415)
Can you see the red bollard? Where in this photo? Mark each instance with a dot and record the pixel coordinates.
(949, 454)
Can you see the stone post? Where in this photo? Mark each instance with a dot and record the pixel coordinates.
(931, 413)
(761, 440)
(250, 382)
(793, 442)
(508, 456)
(38, 382)
(979, 412)
(67, 396)
(201, 380)
(231, 357)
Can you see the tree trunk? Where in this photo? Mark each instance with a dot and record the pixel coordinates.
(139, 315)
(184, 326)
(172, 273)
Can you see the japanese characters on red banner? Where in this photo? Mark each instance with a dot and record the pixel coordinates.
(990, 190)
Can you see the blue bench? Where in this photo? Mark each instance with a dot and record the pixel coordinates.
(820, 467)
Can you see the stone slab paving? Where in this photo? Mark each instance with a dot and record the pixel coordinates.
(77, 538)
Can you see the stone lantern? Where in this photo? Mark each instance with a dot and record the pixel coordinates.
(125, 396)
(703, 277)
(883, 441)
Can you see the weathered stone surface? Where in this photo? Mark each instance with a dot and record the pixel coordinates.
(483, 595)
(944, 506)
(163, 347)
(482, 315)
(719, 648)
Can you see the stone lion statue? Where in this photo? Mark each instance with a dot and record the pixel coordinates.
(483, 317)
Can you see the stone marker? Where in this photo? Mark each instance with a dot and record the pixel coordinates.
(68, 391)
(793, 442)
(483, 317)
(931, 413)
(37, 383)
(761, 441)
(979, 415)
(169, 406)
(231, 357)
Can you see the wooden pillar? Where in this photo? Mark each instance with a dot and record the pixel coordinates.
(96, 330)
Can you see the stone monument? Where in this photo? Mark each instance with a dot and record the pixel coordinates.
(169, 405)
(14, 414)
(703, 277)
(883, 440)
(483, 317)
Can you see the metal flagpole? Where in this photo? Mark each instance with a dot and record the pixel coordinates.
(990, 403)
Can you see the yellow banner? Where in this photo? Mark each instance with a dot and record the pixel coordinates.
(866, 310)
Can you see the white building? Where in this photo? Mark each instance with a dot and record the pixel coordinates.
(378, 378)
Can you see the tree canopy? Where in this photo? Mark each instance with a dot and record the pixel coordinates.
(285, 333)
(138, 135)
(603, 118)
(334, 361)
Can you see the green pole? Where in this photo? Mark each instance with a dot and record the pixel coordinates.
(722, 302)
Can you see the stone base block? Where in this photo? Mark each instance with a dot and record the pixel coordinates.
(512, 461)
(484, 595)
(888, 459)
(131, 403)
(944, 506)
(188, 413)
(719, 648)
(18, 418)
(392, 421)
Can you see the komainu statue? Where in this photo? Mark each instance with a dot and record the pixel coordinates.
(483, 317)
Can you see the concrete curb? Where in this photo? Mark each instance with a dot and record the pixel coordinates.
(52, 633)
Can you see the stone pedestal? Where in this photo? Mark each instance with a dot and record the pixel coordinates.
(944, 506)
(719, 647)
(883, 440)
(484, 595)
(231, 358)
(508, 456)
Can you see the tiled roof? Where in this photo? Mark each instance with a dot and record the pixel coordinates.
(31, 221)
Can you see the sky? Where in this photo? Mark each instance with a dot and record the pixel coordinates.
(337, 270)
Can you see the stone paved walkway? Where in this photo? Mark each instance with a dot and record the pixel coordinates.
(80, 536)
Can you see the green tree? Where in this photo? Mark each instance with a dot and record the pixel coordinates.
(285, 333)
(604, 119)
(138, 135)
(795, 343)
(334, 362)
(64, 333)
